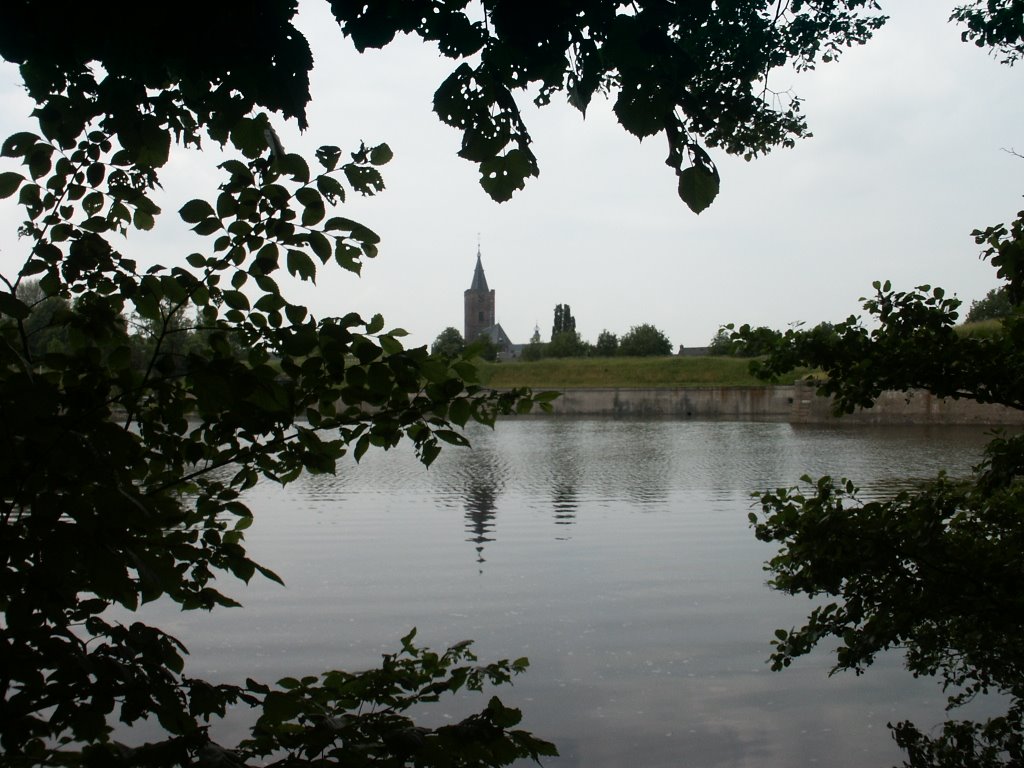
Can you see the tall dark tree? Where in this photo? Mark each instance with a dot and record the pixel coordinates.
(564, 321)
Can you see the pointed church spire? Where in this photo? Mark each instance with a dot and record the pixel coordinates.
(479, 302)
(479, 281)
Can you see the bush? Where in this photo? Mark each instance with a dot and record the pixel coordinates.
(532, 352)
(448, 343)
(484, 348)
(644, 341)
(607, 344)
(995, 305)
(567, 344)
(721, 344)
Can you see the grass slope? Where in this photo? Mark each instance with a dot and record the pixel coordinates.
(983, 329)
(671, 371)
(622, 372)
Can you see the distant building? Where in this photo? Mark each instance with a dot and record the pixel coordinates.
(479, 304)
(480, 315)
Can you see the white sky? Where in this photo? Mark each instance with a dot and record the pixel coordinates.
(905, 161)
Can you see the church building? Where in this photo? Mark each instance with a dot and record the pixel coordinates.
(480, 317)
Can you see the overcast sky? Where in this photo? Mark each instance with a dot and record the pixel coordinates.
(906, 159)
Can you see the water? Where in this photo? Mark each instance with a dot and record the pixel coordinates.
(615, 554)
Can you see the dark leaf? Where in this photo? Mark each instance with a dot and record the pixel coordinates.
(330, 188)
(328, 157)
(11, 306)
(249, 136)
(295, 166)
(195, 211)
(698, 187)
(19, 144)
(95, 174)
(321, 246)
(376, 324)
(9, 183)
(300, 265)
(381, 154)
(236, 300)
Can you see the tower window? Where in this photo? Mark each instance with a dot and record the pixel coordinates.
(480, 316)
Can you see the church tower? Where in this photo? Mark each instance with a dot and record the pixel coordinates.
(479, 304)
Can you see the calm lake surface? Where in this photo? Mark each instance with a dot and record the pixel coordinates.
(615, 554)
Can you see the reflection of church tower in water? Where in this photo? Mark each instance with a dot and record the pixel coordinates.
(474, 480)
(480, 501)
(479, 304)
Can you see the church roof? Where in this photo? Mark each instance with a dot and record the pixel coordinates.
(479, 281)
(497, 334)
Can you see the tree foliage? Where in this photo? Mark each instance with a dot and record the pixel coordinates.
(994, 24)
(567, 344)
(342, 718)
(749, 342)
(913, 344)
(644, 341)
(123, 470)
(694, 72)
(565, 339)
(994, 306)
(607, 344)
(123, 478)
(533, 352)
(42, 329)
(721, 343)
(564, 321)
(935, 571)
(483, 347)
(639, 341)
(122, 482)
(448, 343)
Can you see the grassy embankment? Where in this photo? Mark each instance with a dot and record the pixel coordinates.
(622, 372)
(983, 329)
(650, 371)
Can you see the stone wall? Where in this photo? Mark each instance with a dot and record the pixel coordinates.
(681, 402)
(796, 403)
(915, 407)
